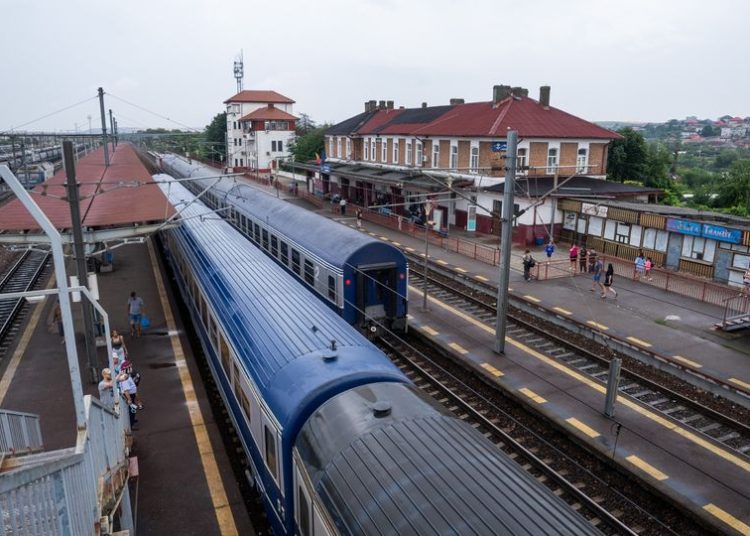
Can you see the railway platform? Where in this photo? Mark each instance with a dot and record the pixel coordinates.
(182, 480)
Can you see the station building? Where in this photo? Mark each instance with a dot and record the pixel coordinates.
(400, 157)
(260, 127)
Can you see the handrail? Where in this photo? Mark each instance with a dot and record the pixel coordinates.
(20, 433)
(67, 491)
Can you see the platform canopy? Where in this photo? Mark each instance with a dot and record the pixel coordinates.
(116, 202)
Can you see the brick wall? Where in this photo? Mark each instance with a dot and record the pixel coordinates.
(445, 153)
(537, 158)
(464, 155)
(597, 159)
(567, 158)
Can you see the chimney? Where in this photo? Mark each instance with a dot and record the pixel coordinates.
(270, 105)
(373, 105)
(389, 104)
(424, 105)
(500, 93)
(544, 96)
(519, 91)
(381, 105)
(367, 106)
(456, 101)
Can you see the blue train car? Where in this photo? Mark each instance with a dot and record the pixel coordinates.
(364, 279)
(339, 440)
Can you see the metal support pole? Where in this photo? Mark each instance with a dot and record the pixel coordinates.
(553, 207)
(613, 383)
(62, 284)
(112, 129)
(104, 127)
(75, 218)
(116, 134)
(506, 239)
(426, 255)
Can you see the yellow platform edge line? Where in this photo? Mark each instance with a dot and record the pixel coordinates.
(561, 310)
(586, 429)
(727, 518)
(224, 517)
(687, 361)
(532, 395)
(646, 467)
(458, 348)
(429, 330)
(740, 383)
(532, 298)
(639, 342)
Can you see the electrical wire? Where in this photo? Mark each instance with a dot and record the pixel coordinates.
(154, 113)
(11, 129)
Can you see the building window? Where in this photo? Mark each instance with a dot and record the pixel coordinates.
(408, 153)
(348, 148)
(274, 246)
(235, 125)
(330, 146)
(265, 239)
(435, 154)
(338, 147)
(271, 452)
(304, 513)
(454, 157)
(277, 125)
(474, 161)
(395, 151)
(273, 146)
(420, 156)
(373, 150)
(582, 162)
(521, 160)
(384, 150)
(280, 145)
(242, 162)
(295, 261)
(284, 253)
(366, 152)
(332, 288)
(552, 160)
(698, 248)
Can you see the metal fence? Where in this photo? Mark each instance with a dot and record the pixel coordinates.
(19, 433)
(63, 492)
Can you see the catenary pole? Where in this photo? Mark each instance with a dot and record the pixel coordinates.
(62, 284)
(75, 218)
(104, 127)
(112, 129)
(505, 241)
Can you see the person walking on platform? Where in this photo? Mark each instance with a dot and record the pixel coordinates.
(118, 346)
(528, 264)
(342, 205)
(592, 260)
(57, 321)
(549, 249)
(584, 258)
(359, 218)
(648, 265)
(640, 267)
(106, 389)
(128, 390)
(135, 313)
(597, 277)
(573, 255)
(609, 277)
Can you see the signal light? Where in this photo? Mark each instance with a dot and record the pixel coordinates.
(347, 282)
(402, 275)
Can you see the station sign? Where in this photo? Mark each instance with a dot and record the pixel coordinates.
(325, 168)
(499, 146)
(705, 230)
(591, 209)
(685, 227)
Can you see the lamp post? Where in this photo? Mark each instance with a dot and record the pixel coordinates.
(427, 210)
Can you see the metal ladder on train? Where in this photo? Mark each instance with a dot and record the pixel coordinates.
(72, 491)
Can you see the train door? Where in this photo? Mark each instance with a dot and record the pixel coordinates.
(375, 296)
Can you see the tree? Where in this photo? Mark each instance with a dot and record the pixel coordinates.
(305, 147)
(734, 190)
(216, 137)
(708, 131)
(305, 124)
(657, 165)
(628, 156)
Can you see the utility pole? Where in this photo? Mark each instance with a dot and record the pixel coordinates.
(613, 383)
(112, 129)
(75, 218)
(505, 241)
(116, 133)
(104, 126)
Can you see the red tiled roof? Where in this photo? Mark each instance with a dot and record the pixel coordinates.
(259, 95)
(268, 113)
(523, 114)
(104, 202)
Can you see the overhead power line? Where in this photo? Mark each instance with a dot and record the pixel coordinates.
(153, 113)
(10, 130)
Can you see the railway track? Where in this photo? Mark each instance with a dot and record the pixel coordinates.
(566, 469)
(594, 363)
(20, 277)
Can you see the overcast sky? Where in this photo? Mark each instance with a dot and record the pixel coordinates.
(640, 60)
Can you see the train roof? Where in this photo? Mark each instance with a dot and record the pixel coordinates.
(419, 470)
(327, 239)
(280, 331)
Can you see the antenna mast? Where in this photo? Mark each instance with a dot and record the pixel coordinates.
(239, 71)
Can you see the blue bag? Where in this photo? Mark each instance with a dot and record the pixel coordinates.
(145, 322)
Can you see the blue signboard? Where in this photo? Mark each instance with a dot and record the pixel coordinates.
(684, 227)
(722, 234)
(499, 146)
(325, 168)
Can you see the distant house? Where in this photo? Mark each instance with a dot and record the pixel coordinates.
(260, 127)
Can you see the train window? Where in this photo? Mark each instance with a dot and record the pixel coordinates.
(295, 262)
(213, 332)
(204, 312)
(309, 273)
(271, 451)
(257, 233)
(225, 355)
(304, 513)
(236, 380)
(274, 246)
(265, 239)
(284, 253)
(332, 287)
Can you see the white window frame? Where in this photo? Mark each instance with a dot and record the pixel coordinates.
(395, 150)
(553, 154)
(348, 148)
(521, 158)
(330, 146)
(698, 248)
(435, 154)
(383, 150)
(474, 158)
(453, 163)
(366, 151)
(420, 154)
(373, 150)
(408, 154)
(582, 160)
(595, 226)
(338, 147)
